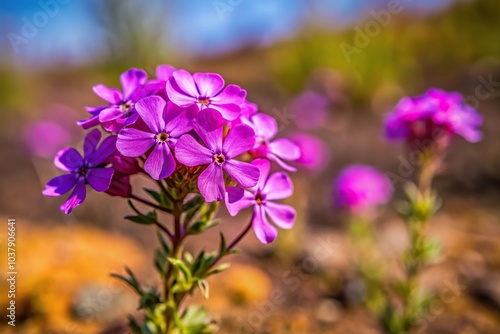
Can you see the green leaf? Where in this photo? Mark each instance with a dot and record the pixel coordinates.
(219, 269)
(131, 280)
(222, 245)
(182, 268)
(144, 220)
(155, 195)
(202, 226)
(163, 243)
(160, 262)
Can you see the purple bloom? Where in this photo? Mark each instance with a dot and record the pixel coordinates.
(163, 74)
(314, 153)
(309, 109)
(218, 154)
(89, 169)
(165, 123)
(277, 186)
(207, 91)
(121, 110)
(359, 188)
(427, 116)
(266, 128)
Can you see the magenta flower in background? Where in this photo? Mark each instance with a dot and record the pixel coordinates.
(206, 90)
(360, 188)
(166, 122)
(426, 116)
(89, 169)
(45, 138)
(121, 110)
(310, 110)
(277, 186)
(314, 153)
(266, 128)
(218, 154)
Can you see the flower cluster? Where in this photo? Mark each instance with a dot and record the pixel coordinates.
(193, 128)
(436, 115)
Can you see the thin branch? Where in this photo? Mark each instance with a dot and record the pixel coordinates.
(151, 204)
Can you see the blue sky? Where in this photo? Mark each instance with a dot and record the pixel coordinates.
(194, 26)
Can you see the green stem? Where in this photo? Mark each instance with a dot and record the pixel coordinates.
(417, 225)
(176, 252)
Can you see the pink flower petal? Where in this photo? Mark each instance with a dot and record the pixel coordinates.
(244, 173)
(263, 230)
(264, 125)
(131, 80)
(264, 167)
(209, 84)
(133, 143)
(160, 163)
(190, 153)
(278, 186)
(208, 125)
(228, 111)
(178, 96)
(110, 95)
(151, 109)
(285, 149)
(282, 215)
(110, 114)
(239, 140)
(238, 199)
(211, 183)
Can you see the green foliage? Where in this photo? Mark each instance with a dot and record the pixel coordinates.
(181, 273)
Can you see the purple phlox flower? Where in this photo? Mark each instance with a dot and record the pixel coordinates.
(206, 90)
(310, 110)
(89, 169)
(277, 186)
(165, 122)
(121, 110)
(266, 128)
(359, 188)
(457, 117)
(314, 153)
(218, 154)
(426, 116)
